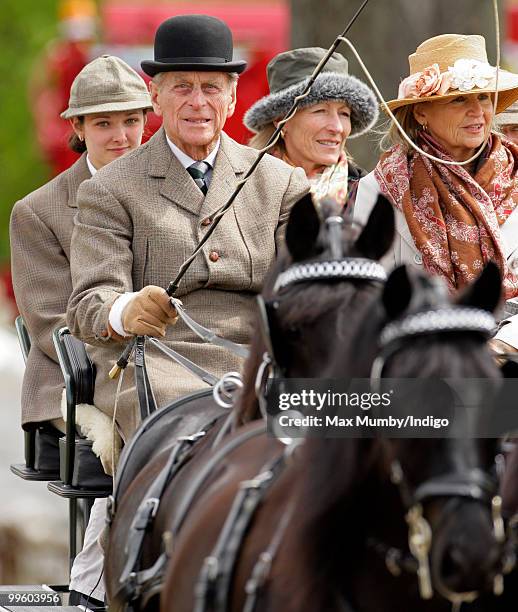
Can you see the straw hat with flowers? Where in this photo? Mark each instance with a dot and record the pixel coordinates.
(450, 65)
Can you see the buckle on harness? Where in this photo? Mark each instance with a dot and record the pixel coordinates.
(193, 437)
(145, 513)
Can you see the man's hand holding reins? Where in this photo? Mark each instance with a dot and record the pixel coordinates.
(149, 313)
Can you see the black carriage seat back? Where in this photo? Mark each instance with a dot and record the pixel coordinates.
(82, 474)
(41, 447)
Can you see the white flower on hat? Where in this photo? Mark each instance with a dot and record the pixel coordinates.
(467, 74)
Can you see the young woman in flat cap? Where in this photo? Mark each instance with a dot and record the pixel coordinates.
(107, 109)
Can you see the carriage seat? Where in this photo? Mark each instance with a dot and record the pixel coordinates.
(81, 471)
(41, 440)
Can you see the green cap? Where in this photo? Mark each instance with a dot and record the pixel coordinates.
(292, 67)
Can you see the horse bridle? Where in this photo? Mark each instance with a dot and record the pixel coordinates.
(343, 268)
(473, 484)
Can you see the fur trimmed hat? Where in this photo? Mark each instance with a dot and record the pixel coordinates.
(289, 73)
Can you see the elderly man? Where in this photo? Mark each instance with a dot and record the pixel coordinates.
(142, 216)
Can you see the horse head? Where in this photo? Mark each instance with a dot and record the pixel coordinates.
(321, 286)
(365, 499)
(446, 485)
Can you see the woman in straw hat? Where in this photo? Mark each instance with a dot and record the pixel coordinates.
(107, 109)
(339, 106)
(451, 219)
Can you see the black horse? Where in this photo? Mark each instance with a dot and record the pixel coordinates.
(329, 520)
(308, 326)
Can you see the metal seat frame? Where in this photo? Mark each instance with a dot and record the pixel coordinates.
(76, 391)
(28, 470)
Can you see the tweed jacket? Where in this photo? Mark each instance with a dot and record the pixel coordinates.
(139, 219)
(40, 231)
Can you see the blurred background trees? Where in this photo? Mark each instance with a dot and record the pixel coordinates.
(26, 27)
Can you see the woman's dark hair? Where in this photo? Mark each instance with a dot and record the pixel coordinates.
(79, 146)
(74, 142)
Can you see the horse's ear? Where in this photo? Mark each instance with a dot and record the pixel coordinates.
(397, 292)
(302, 229)
(486, 291)
(378, 234)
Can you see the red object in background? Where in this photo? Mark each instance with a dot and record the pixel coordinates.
(49, 92)
(511, 19)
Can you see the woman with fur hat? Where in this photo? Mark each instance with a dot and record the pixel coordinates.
(338, 106)
(107, 110)
(451, 218)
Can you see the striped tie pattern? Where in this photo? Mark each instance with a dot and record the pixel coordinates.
(198, 170)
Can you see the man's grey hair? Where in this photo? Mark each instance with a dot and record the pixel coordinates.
(158, 79)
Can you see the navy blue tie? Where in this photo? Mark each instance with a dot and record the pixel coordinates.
(198, 170)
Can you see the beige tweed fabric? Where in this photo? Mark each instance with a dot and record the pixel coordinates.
(139, 219)
(40, 231)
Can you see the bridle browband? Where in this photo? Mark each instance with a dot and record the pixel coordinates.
(433, 321)
(437, 321)
(354, 268)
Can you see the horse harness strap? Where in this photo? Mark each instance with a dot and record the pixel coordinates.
(359, 268)
(136, 584)
(206, 470)
(207, 377)
(207, 335)
(113, 499)
(263, 564)
(132, 582)
(396, 561)
(213, 586)
(146, 399)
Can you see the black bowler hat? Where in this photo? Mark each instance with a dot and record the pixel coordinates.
(193, 42)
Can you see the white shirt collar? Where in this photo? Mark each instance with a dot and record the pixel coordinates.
(187, 161)
(91, 167)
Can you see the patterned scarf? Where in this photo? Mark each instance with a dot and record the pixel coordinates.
(454, 217)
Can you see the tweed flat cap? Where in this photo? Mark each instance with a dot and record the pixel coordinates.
(106, 84)
(288, 75)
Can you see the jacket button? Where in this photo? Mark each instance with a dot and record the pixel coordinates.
(214, 256)
(206, 221)
(418, 259)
